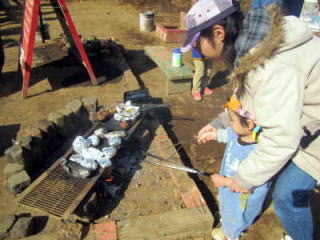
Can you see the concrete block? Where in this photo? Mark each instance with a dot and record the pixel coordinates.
(90, 104)
(25, 142)
(14, 154)
(18, 182)
(193, 198)
(6, 223)
(12, 168)
(45, 125)
(93, 116)
(170, 33)
(22, 228)
(57, 118)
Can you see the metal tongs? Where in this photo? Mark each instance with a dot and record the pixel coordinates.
(163, 162)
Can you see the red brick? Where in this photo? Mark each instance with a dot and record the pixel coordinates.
(170, 33)
(106, 231)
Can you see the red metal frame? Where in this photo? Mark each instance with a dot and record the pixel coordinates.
(30, 18)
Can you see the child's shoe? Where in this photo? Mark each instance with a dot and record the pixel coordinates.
(197, 96)
(208, 91)
(217, 234)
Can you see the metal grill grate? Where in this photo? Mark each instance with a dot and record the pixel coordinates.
(56, 193)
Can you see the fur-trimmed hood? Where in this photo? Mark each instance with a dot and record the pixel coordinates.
(285, 33)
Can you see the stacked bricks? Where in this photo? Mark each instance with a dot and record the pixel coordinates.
(170, 33)
(29, 152)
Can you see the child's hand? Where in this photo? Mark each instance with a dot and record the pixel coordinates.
(220, 181)
(207, 133)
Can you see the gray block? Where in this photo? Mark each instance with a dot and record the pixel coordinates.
(6, 222)
(90, 104)
(12, 168)
(18, 182)
(22, 227)
(14, 154)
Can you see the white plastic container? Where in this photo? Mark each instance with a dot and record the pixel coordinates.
(310, 14)
(176, 57)
(147, 21)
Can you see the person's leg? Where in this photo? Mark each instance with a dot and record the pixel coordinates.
(199, 73)
(208, 66)
(291, 201)
(292, 7)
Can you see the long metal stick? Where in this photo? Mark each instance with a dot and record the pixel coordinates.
(182, 168)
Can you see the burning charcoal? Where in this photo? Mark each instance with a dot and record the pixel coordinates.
(114, 141)
(119, 134)
(100, 132)
(109, 152)
(94, 140)
(91, 153)
(104, 162)
(79, 143)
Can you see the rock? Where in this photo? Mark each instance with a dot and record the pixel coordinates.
(6, 222)
(14, 154)
(18, 182)
(76, 106)
(45, 125)
(22, 227)
(12, 168)
(25, 142)
(57, 118)
(93, 116)
(90, 104)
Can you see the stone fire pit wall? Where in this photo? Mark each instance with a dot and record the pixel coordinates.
(27, 156)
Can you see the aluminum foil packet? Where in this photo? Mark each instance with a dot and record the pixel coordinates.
(114, 141)
(104, 162)
(109, 152)
(126, 112)
(119, 134)
(91, 153)
(100, 132)
(87, 163)
(93, 140)
(80, 143)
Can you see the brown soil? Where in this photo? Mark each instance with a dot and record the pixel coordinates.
(119, 20)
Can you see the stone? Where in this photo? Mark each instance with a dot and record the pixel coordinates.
(57, 118)
(93, 116)
(45, 125)
(25, 142)
(12, 168)
(75, 105)
(90, 104)
(6, 223)
(14, 154)
(18, 182)
(35, 132)
(22, 227)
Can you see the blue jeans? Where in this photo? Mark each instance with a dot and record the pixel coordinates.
(291, 201)
(290, 7)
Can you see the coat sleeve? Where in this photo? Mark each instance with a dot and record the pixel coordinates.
(277, 103)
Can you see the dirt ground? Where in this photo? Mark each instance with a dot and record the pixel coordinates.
(118, 20)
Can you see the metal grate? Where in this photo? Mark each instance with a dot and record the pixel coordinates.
(56, 193)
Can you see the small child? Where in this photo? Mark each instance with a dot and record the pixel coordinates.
(202, 68)
(238, 211)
